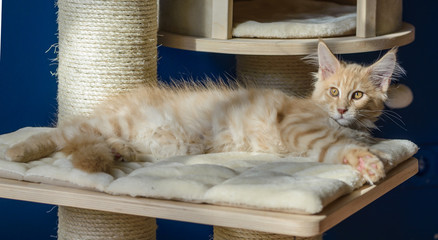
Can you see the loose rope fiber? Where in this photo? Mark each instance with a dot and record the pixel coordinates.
(224, 233)
(106, 47)
(287, 73)
(76, 223)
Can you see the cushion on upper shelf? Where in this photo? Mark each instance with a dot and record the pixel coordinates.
(292, 19)
(253, 180)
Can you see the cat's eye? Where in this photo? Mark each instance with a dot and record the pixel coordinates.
(334, 92)
(357, 95)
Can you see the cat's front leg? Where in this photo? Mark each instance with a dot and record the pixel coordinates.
(364, 161)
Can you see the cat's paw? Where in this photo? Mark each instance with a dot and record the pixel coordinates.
(35, 147)
(123, 151)
(24, 152)
(16, 153)
(368, 164)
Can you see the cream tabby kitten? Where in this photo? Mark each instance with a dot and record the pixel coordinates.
(331, 126)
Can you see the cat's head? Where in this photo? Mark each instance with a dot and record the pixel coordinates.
(352, 94)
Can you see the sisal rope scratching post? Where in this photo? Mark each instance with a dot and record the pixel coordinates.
(106, 47)
(224, 233)
(76, 223)
(287, 73)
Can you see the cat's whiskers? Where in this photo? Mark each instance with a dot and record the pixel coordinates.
(395, 119)
(365, 126)
(391, 115)
(394, 114)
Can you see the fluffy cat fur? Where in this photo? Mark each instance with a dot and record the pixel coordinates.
(330, 126)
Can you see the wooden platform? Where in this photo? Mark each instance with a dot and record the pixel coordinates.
(252, 46)
(267, 221)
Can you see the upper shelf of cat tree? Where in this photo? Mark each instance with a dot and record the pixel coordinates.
(215, 26)
(247, 46)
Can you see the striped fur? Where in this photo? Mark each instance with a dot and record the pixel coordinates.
(196, 120)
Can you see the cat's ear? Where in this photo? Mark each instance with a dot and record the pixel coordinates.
(328, 63)
(383, 69)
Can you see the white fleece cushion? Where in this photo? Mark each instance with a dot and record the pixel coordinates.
(252, 180)
(292, 19)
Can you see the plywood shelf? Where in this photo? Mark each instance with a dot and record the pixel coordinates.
(268, 221)
(251, 46)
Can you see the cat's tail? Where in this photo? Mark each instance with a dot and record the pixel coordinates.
(90, 153)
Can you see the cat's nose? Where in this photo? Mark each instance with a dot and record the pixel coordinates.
(342, 110)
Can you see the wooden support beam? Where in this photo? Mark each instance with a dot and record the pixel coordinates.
(366, 18)
(222, 19)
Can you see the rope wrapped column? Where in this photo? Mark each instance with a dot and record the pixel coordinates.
(289, 74)
(106, 47)
(223, 233)
(77, 223)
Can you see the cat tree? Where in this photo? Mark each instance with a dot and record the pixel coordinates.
(90, 71)
(273, 59)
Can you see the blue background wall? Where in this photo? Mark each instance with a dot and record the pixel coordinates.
(28, 98)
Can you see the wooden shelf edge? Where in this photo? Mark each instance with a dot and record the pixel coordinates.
(260, 220)
(252, 46)
(351, 203)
